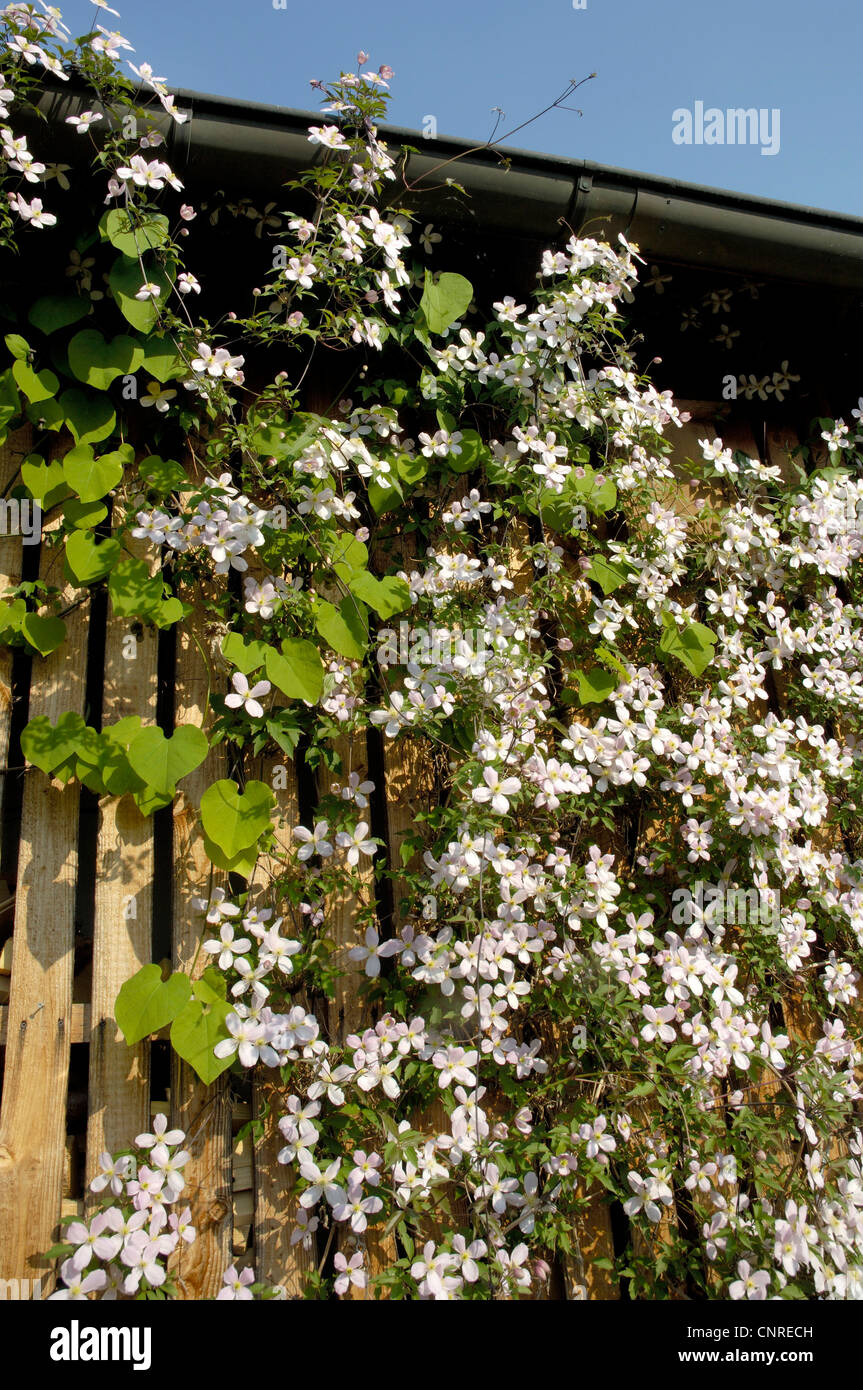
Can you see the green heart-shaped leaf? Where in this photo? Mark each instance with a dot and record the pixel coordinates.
(344, 628)
(297, 670)
(11, 617)
(83, 515)
(133, 592)
(93, 478)
(146, 1003)
(161, 359)
(195, 1032)
(126, 279)
(161, 762)
(44, 481)
(37, 386)
(445, 301)
(55, 311)
(45, 634)
(595, 685)
(609, 574)
(97, 363)
(242, 863)
(385, 596)
(694, 645)
(348, 555)
(46, 415)
(165, 474)
(18, 346)
(47, 746)
(235, 820)
(134, 235)
(246, 656)
(90, 418)
(86, 560)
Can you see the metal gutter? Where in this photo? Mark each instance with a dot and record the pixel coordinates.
(254, 147)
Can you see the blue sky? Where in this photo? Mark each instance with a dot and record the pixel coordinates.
(456, 59)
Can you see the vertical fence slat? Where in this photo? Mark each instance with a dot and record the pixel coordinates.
(204, 1112)
(33, 1115)
(277, 1261)
(119, 1096)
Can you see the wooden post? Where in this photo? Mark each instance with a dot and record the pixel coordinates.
(33, 1115)
(119, 1091)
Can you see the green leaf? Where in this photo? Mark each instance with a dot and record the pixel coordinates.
(44, 481)
(171, 611)
(242, 863)
(134, 593)
(87, 561)
(45, 634)
(132, 236)
(55, 311)
(97, 363)
(18, 346)
(83, 515)
(297, 670)
(146, 1003)
(126, 279)
(246, 656)
(10, 401)
(412, 468)
(344, 628)
(235, 820)
(473, 453)
(608, 574)
(694, 645)
(161, 359)
(348, 555)
(161, 762)
(165, 474)
(92, 478)
(195, 1032)
(46, 415)
(595, 685)
(149, 801)
(90, 418)
(37, 386)
(385, 499)
(47, 746)
(445, 301)
(385, 596)
(287, 442)
(11, 616)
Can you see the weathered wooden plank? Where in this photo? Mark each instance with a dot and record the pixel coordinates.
(80, 1025)
(33, 1115)
(119, 1087)
(277, 1261)
(204, 1112)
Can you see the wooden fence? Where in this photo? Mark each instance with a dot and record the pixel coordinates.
(87, 884)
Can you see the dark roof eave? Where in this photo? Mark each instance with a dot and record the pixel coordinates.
(235, 144)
